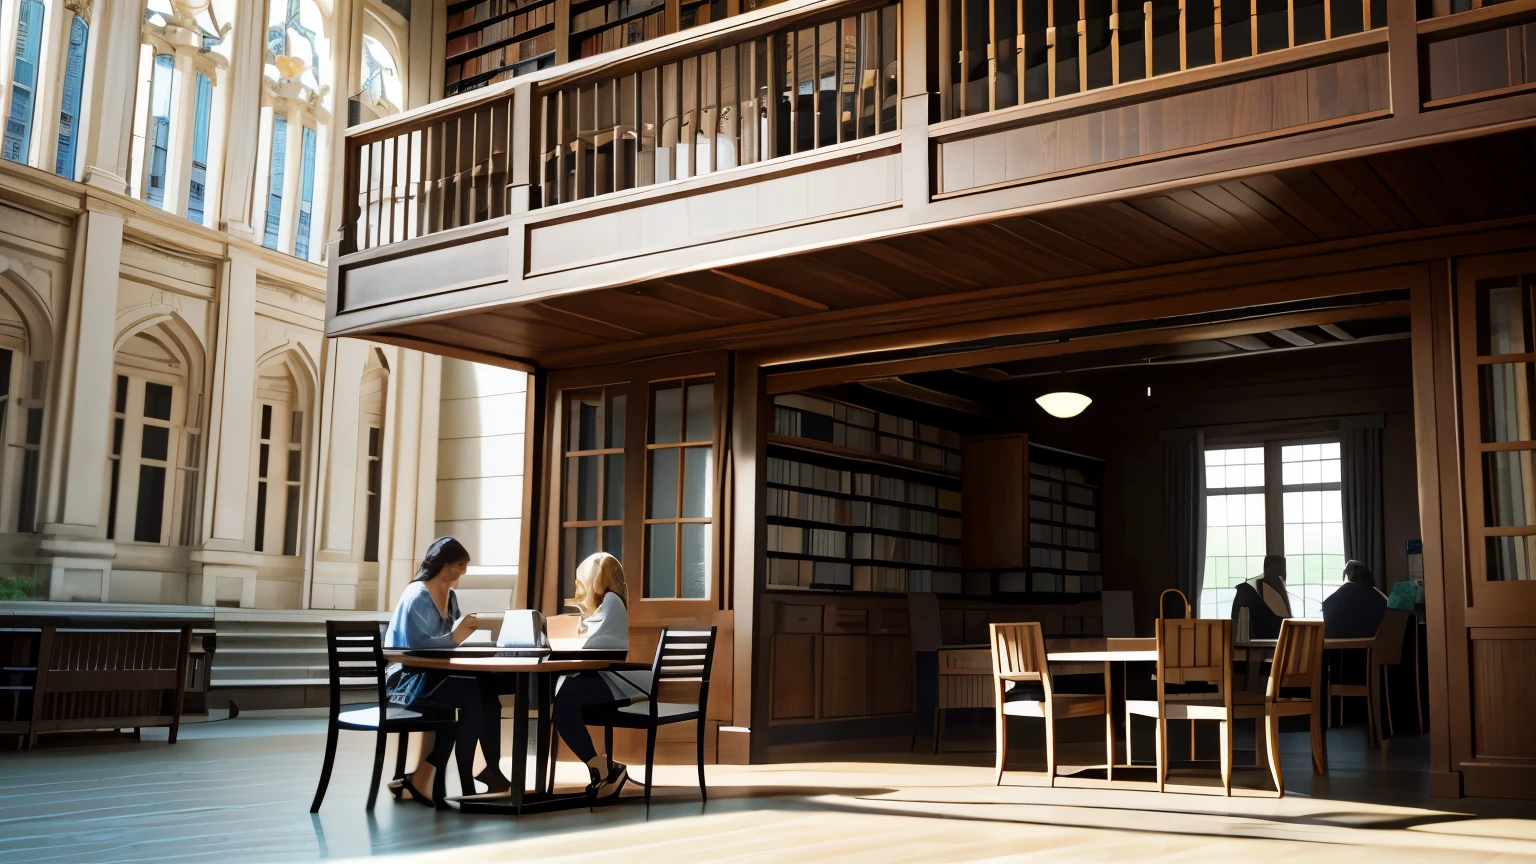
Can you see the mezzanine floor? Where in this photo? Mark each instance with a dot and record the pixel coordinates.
(239, 790)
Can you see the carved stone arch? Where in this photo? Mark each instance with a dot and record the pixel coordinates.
(17, 289)
(301, 366)
(167, 317)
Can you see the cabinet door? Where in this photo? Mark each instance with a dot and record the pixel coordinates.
(844, 676)
(794, 677)
(994, 500)
(891, 673)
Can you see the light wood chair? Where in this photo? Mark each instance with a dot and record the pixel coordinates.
(1386, 650)
(1298, 664)
(1018, 657)
(1170, 604)
(1191, 650)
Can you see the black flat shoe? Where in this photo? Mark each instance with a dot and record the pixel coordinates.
(494, 783)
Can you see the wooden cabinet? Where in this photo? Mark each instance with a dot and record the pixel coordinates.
(845, 676)
(794, 677)
(890, 674)
(994, 484)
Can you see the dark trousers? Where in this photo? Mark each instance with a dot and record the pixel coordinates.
(478, 702)
(577, 694)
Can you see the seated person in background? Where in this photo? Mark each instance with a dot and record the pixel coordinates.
(602, 596)
(428, 617)
(1265, 598)
(1355, 609)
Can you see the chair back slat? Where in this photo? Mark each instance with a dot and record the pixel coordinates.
(1018, 653)
(1389, 636)
(1298, 658)
(684, 658)
(1194, 649)
(355, 654)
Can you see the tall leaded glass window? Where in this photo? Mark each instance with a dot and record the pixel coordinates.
(306, 194)
(18, 126)
(680, 486)
(197, 189)
(159, 126)
(69, 111)
(275, 186)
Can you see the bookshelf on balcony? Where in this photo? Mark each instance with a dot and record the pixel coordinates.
(493, 40)
(605, 25)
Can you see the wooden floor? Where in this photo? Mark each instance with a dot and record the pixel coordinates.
(239, 790)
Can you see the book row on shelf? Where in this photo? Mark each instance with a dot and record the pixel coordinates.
(628, 33)
(507, 56)
(1045, 511)
(800, 573)
(1055, 491)
(1063, 559)
(1067, 473)
(797, 415)
(832, 543)
(810, 507)
(613, 10)
(486, 10)
(789, 472)
(500, 31)
(1043, 534)
(1021, 582)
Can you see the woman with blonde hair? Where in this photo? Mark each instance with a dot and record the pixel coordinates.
(602, 596)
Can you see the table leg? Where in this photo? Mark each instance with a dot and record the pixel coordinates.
(541, 780)
(1109, 723)
(520, 741)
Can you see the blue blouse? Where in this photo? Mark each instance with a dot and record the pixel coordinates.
(417, 624)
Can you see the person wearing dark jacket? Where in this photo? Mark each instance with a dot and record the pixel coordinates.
(1355, 609)
(1265, 599)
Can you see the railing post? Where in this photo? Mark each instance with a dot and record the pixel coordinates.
(349, 207)
(917, 99)
(522, 150)
(1403, 58)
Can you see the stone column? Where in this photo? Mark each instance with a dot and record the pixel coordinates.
(77, 557)
(109, 91)
(229, 567)
(293, 166)
(244, 106)
(178, 157)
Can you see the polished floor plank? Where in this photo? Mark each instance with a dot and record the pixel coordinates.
(238, 791)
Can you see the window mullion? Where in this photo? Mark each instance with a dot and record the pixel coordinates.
(1274, 501)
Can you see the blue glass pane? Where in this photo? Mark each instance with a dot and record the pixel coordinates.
(196, 189)
(69, 112)
(159, 127)
(18, 126)
(306, 194)
(275, 187)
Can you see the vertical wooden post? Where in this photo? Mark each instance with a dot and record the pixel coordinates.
(748, 456)
(1403, 57)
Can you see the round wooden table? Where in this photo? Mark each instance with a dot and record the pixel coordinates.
(535, 677)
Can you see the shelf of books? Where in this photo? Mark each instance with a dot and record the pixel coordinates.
(494, 40)
(605, 25)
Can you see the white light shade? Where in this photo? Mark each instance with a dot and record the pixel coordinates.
(1063, 404)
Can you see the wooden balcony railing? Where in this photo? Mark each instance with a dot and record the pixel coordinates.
(1000, 53)
(797, 88)
(426, 173)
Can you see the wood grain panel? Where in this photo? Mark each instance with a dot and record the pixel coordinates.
(1504, 698)
(716, 213)
(890, 675)
(994, 478)
(1243, 110)
(445, 268)
(844, 676)
(794, 677)
(1486, 62)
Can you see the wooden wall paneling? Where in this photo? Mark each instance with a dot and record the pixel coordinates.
(793, 683)
(748, 454)
(535, 482)
(994, 488)
(891, 671)
(549, 475)
(845, 676)
(1504, 699)
(1435, 399)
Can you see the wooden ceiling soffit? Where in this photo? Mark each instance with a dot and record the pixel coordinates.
(787, 382)
(805, 303)
(917, 393)
(571, 322)
(806, 279)
(1043, 239)
(1220, 201)
(458, 350)
(1111, 228)
(1282, 221)
(1336, 332)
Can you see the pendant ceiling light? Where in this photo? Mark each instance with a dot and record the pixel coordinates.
(1063, 403)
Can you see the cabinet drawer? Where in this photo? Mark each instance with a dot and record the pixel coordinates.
(848, 621)
(799, 619)
(889, 621)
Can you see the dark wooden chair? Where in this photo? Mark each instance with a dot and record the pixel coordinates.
(683, 660)
(355, 650)
(1386, 651)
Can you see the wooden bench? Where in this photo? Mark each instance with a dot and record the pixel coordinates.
(61, 674)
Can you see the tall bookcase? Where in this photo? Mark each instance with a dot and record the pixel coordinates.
(494, 40)
(863, 501)
(1064, 523)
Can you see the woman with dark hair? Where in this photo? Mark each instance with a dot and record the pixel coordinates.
(428, 617)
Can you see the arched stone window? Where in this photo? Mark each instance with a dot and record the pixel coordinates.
(284, 406)
(25, 345)
(370, 451)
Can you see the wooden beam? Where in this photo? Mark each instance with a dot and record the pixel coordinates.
(769, 289)
(787, 382)
(1247, 343)
(1336, 332)
(1291, 336)
(907, 390)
